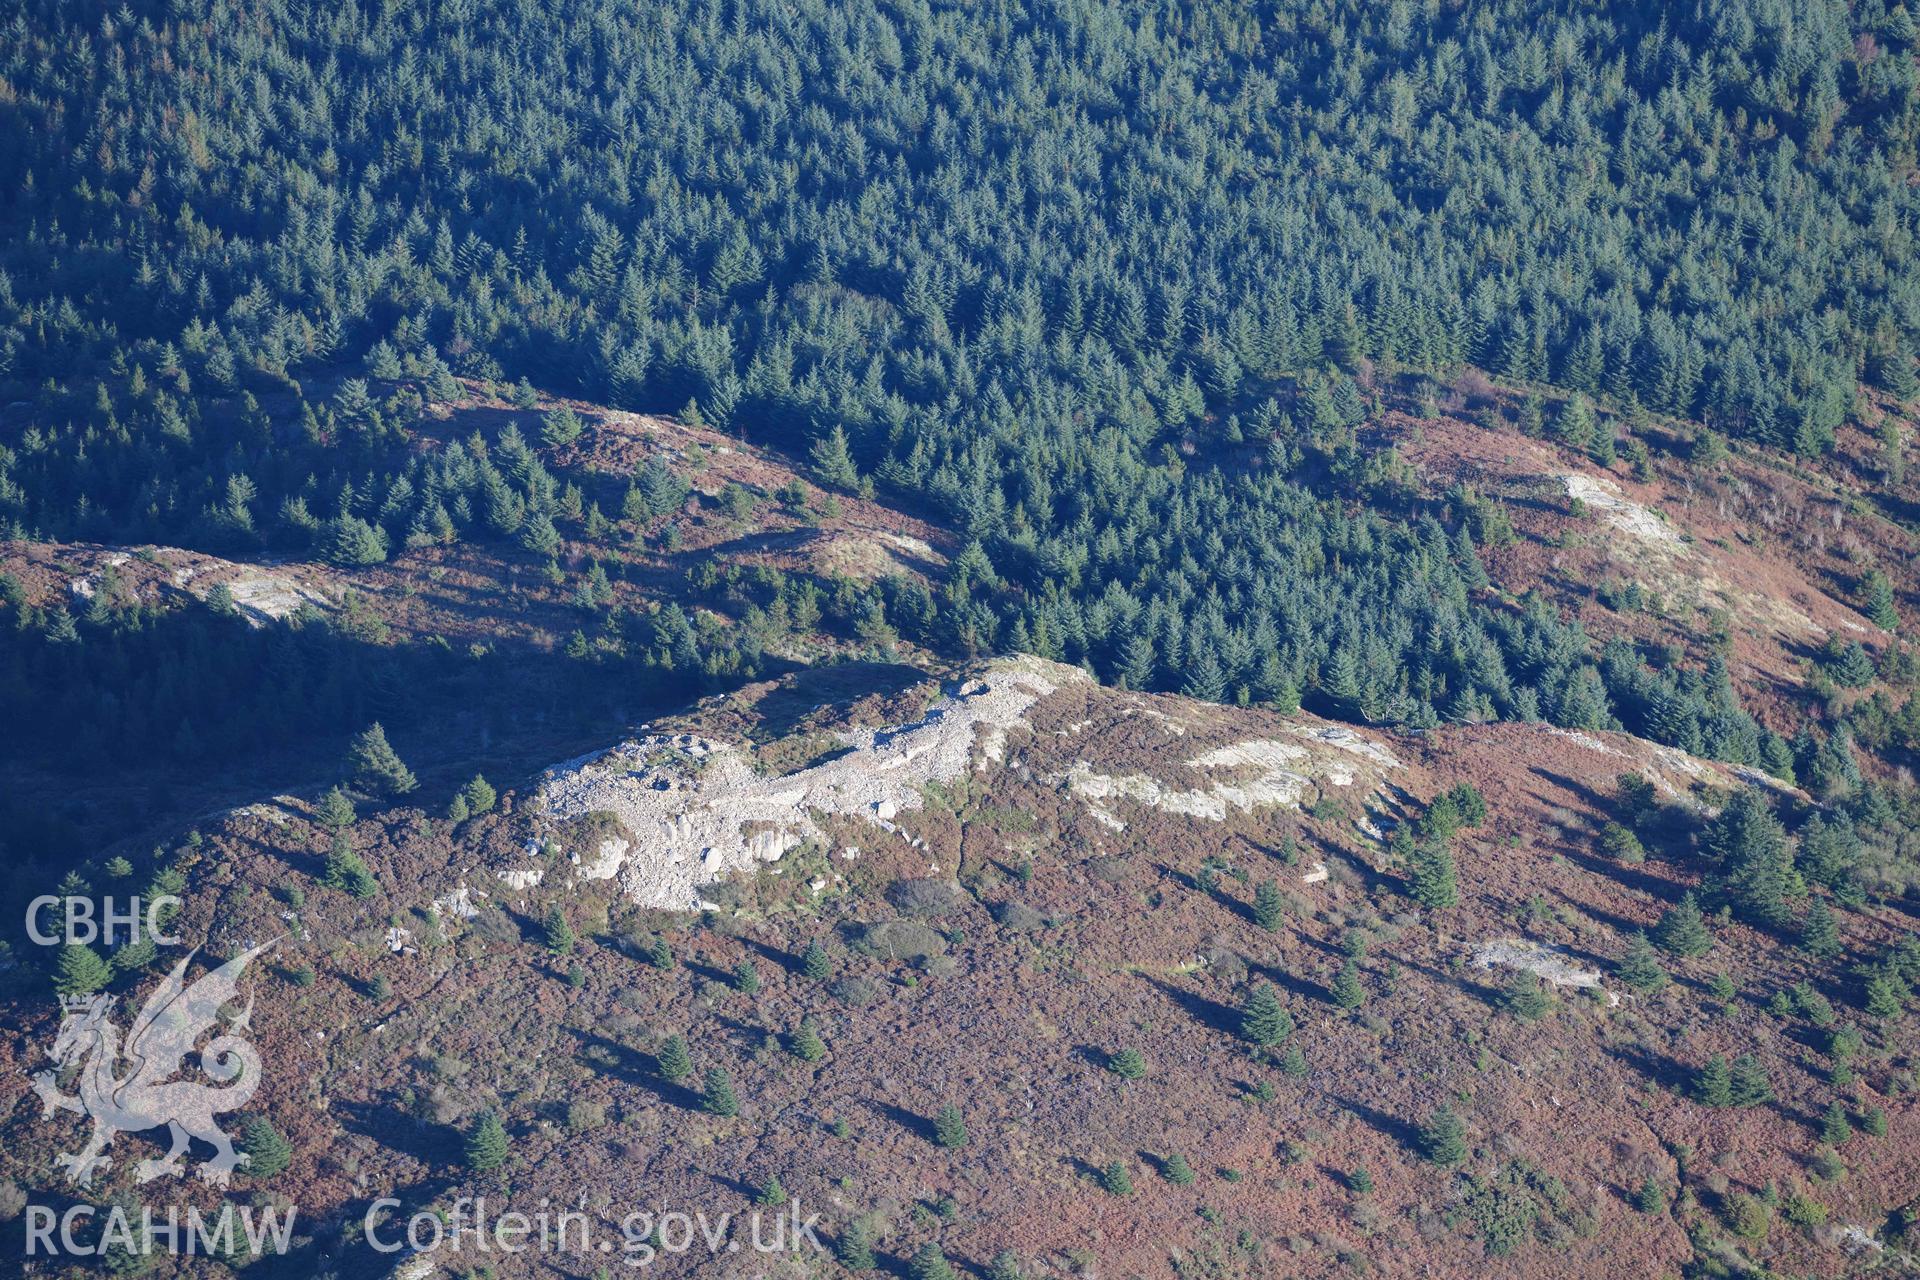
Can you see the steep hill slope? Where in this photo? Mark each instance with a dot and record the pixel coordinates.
(718, 752)
(1750, 556)
(1015, 874)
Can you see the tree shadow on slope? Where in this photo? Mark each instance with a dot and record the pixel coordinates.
(1208, 1013)
(210, 712)
(630, 1066)
(1392, 1127)
(916, 1125)
(432, 1145)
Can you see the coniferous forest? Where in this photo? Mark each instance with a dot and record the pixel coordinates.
(1080, 637)
(1106, 289)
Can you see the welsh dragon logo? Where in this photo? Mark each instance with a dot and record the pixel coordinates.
(145, 1096)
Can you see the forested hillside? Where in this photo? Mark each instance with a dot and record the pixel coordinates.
(1199, 640)
(1106, 288)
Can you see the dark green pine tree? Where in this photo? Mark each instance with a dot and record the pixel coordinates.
(854, 1248)
(335, 809)
(1721, 988)
(1682, 930)
(479, 795)
(1443, 1138)
(1264, 1021)
(1435, 884)
(1349, 992)
(814, 962)
(1268, 907)
(950, 1127)
(1340, 682)
(1137, 662)
(346, 871)
(1879, 601)
(1005, 1266)
(1819, 935)
(80, 971)
(675, 1063)
(1640, 967)
(487, 1147)
(1205, 680)
(1883, 996)
(560, 938)
(1575, 426)
(930, 1264)
(1835, 1127)
(561, 428)
(356, 543)
(1755, 860)
(746, 978)
(1650, 1199)
(1750, 1085)
(1891, 365)
(1524, 998)
(1713, 1085)
(136, 955)
(1115, 1180)
(1177, 1171)
(805, 1042)
(1473, 571)
(374, 766)
(832, 461)
(716, 1096)
(267, 1150)
(1620, 844)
